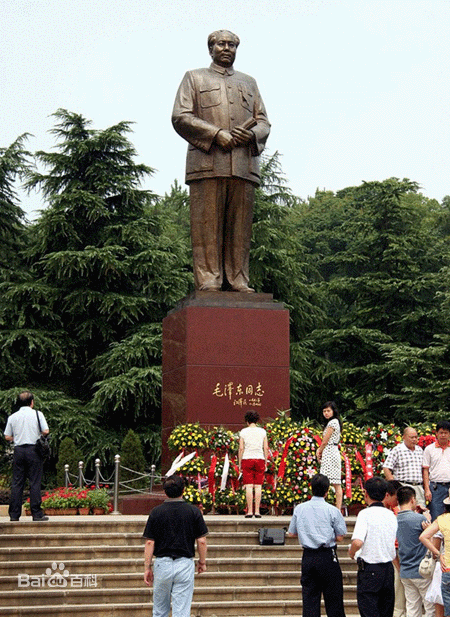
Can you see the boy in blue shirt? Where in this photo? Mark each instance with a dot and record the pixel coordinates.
(411, 552)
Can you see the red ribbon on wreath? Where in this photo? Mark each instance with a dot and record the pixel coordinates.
(348, 476)
(211, 479)
(235, 480)
(282, 467)
(369, 461)
(367, 464)
(318, 439)
(361, 461)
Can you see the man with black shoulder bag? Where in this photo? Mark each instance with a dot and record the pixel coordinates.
(24, 428)
(318, 526)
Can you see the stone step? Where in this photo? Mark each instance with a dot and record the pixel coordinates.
(108, 595)
(277, 563)
(74, 524)
(135, 524)
(129, 579)
(254, 608)
(109, 552)
(76, 539)
(238, 538)
(105, 552)
(96, 566)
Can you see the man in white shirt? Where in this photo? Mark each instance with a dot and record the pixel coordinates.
(404, 463)
(22, 428)
(436, 469)
(374, 540)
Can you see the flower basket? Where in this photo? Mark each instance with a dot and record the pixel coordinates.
(193, 467)
(191, 436)
(192, 495)
(267, 500)
(222, 441)
(281, 429)
(229, 501)
(84, 511)
(98, 511)
(355, 508)
(206, 501)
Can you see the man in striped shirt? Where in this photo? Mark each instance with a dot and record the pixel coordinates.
(404, 463)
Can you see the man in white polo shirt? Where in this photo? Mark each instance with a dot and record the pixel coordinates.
(373, 543)
(436, 469)
(22, 428)
(404, 463)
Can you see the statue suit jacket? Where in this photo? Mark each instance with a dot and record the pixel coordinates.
(217, 98)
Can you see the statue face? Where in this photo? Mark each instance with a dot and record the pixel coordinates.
(223, 52)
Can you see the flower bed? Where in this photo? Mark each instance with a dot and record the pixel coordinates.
(290, 467)
(71, 500)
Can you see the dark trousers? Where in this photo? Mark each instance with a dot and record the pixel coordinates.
(26, 464)
(321, 573)
(375, 590)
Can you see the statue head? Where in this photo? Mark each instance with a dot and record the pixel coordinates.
(222, 45)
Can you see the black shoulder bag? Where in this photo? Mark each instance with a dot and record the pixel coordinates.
(42, 446)
(270, 536)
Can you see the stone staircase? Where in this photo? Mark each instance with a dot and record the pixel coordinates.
(102, 571)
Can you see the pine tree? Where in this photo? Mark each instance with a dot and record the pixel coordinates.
(104, 267)
(132, 458)
(14, 164)
(70, 455)
(381, 276)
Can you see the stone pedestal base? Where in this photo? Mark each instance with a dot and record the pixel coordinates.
(224, 353)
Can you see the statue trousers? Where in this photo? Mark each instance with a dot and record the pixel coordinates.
(221, 230)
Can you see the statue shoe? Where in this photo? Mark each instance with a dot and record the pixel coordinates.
(209, 287)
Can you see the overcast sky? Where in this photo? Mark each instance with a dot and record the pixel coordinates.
(355, 90)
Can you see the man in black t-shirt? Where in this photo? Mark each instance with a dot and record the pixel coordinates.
(171, 532)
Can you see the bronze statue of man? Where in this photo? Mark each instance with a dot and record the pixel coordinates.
(221, 114)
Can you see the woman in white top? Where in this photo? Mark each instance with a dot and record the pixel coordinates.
(253, 453)
(328, 453)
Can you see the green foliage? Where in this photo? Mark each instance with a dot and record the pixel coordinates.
(83, 290)
(380, 258)
(14, 164)
(132, 460)
(98, 498)
(80, 323)
(70, 455)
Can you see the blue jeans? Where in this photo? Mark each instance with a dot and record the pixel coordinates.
(173, 582)
(439, 492)
(445, 591)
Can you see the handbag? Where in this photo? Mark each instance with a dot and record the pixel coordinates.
(42, 445)
(426, 566)
(271, 536)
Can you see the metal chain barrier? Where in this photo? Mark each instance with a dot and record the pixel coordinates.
(123, 487)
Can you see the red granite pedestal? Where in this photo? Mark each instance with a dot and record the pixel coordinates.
(223, 354)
